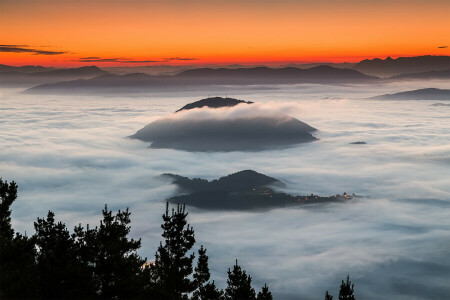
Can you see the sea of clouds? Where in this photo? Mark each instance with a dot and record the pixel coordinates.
(70, 154)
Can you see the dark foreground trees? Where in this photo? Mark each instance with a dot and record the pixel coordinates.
(102, 262)
(345, 292)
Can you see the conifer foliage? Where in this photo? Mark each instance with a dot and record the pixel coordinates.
(170, 274)
(239, 284)
(328, 296)
(102, 262)
(265, 294)
(346, 290)
(17, 252)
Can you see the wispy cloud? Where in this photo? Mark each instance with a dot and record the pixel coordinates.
(443, 47)
(116, 59)
(27, 49)
(130, 60)
(179, 58)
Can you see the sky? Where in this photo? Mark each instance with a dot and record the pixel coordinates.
(174, 32)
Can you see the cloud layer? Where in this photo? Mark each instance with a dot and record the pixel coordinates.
(69, 154)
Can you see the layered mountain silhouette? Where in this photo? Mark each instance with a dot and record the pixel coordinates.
(139, 82)
(54, 80)
(420, 94)
(402, 65)
(31, 75)
(444, 74)
(234, 128)
(23, 69)
(214, 102)
(244, 190)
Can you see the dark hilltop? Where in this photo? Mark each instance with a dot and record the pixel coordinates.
(214, 102)
(245, 190)
(443, 75)
(232, 132)
(236, 182)
(420, 94)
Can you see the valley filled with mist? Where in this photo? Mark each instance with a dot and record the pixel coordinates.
(72, 154)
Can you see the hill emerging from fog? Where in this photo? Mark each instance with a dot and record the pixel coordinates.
(139, 82)
(444, 74)
(421, 94)
(236, 182)
(241, 127)
(214, 102)
(244, 190)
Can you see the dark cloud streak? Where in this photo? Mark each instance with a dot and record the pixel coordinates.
(27, 49)
(129, 60)
(118, 60)
(179, 58)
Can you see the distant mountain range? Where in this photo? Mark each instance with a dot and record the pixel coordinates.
(403, 65)
(23, 69)
(32, 75)
(444, 74)
(136, 83)
(54, 81)
(421, 94)
(244, 190)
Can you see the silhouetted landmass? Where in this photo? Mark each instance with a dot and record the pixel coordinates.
(138, 83)
(358, 143)
(236, 182)
(440, 104)
(214, 102)
(244, 190)
(402, 65)
(241, 133)
(31, 75)
(102, 262)
(444, 74)
(265, 75)
(421, 94)
(344, 65)
(23, 69)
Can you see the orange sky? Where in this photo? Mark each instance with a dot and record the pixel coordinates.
(215, 31)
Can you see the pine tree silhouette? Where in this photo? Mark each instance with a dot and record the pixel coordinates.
(265, 294)
(173, 265)
(112, 256)
(239, 285)
(102, 263)
(18, 277)
(60, 272)
(205, 290)
(8, 194)
(346, 290)
(209, 291)
(201, 272)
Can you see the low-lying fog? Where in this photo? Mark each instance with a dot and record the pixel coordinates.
(71, 155)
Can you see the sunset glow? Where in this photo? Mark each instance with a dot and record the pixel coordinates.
(131, 33)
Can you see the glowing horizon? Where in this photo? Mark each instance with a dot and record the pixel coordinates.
(136, 33)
